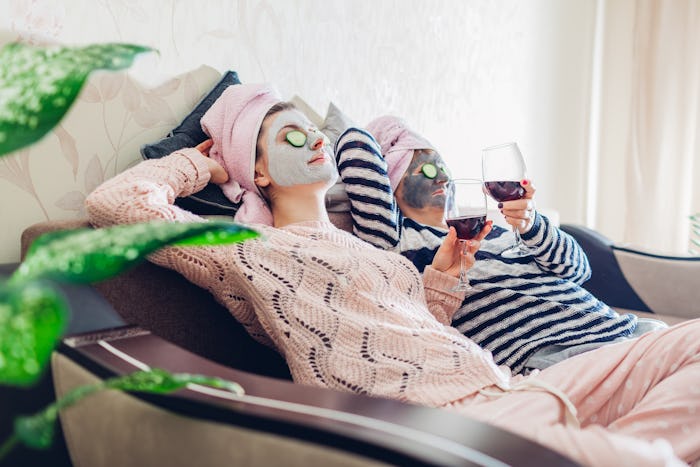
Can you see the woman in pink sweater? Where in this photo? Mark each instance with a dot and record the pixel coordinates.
(351, 317)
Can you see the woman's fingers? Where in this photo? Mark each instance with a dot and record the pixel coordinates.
(469, 258)
(485, 231)
(205, 146)
(517, 204)
(217, 173)
(459, 249)
(449, 255)
(529, 188)
(522, 209)
(520, 213)
(520, 224)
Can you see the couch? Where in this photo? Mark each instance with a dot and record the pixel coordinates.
(154, 317)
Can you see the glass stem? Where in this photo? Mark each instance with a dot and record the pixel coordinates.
(518, 240)
(463, 263)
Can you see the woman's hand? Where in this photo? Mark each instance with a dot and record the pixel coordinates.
(217, 173)
(520, 213)
(448, 257)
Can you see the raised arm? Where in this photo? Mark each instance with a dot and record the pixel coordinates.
(146, 192)
(553, 250)
(556, 251)
(375, 215)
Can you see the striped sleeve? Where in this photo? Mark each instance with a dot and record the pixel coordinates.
(556, 251)
(375, 216)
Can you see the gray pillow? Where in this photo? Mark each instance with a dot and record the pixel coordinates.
(335, 123)
(211, 200)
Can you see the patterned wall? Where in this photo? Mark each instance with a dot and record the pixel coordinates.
(466, 73)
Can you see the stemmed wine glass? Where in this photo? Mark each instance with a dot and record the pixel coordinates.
(465, 210)
(503, 167)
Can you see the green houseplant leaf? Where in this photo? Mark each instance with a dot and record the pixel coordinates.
(39, 84)
(37, 87)
(92, 255)
(32, 319)
(33, 315)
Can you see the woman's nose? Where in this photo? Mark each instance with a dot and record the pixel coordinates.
(442, 178)
(317, 142)
(316, 139)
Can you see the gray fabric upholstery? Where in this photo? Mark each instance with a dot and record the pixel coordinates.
(629, 278)
(668, 285)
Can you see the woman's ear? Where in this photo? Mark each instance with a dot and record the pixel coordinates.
(261, 178)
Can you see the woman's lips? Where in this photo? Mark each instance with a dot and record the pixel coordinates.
(318, 159)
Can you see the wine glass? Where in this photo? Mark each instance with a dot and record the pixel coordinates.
(465, 210)
(503, 167)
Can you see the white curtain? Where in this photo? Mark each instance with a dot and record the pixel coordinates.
(646, 149)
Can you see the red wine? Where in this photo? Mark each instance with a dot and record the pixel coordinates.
(467, 227)
(505, 191)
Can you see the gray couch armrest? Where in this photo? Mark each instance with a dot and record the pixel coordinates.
(669, 285)
(635, 279)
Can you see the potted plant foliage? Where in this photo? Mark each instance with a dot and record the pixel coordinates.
(37, 87)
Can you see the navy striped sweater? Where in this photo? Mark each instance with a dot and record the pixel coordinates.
(519, 305)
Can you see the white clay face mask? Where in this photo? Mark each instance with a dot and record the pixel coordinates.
(293, 161)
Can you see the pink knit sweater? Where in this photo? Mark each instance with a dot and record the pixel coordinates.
(344, 314)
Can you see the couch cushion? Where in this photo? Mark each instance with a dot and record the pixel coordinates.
(189, 133)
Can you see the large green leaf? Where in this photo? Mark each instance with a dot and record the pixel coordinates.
(32, 319)
(39, 84)
(159, 381)
(92, 255)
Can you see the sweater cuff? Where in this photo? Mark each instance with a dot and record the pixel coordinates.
(438, 279)
(438, 287)
(198, 164)
(534, 230)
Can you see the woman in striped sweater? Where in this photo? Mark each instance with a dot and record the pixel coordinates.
(529, 312)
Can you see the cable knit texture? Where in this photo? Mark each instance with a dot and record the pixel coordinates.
(344, 314)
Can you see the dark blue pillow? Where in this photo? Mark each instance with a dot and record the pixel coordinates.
(210, 200)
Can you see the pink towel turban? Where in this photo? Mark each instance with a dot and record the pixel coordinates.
(233, 123)
(398, 142)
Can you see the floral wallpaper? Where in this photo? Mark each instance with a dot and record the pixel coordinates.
(100, 136)
(465, 73)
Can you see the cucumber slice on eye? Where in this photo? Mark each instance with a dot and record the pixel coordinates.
(429, 170)
(296, 138)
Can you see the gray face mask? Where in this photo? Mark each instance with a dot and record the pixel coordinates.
(289, 164)
(419, 185)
